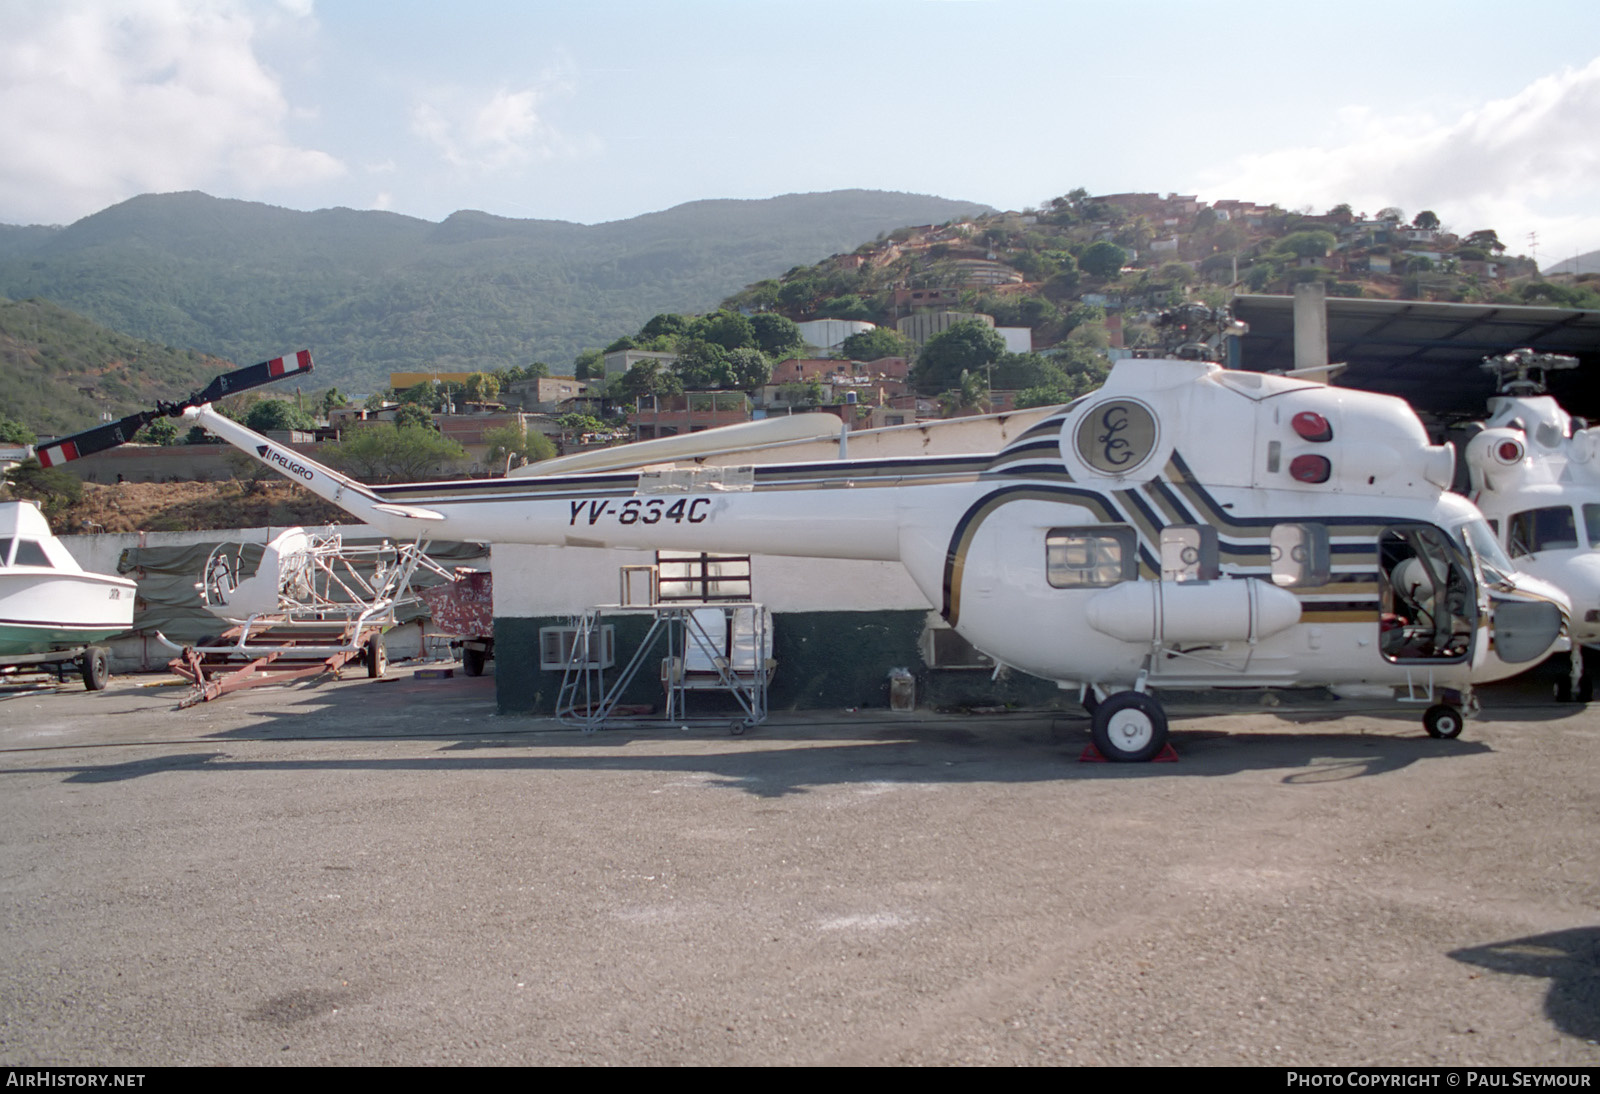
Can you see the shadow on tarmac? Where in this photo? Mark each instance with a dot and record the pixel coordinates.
(1569, 959)
(1318, 742)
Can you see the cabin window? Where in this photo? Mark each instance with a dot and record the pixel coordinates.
(1299, 555)
(5, 549)
(1550, 529)
(29, 553)
(1591, 524)
(1090, 558)
(1189, 553)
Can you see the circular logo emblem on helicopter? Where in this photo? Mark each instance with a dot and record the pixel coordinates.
(1116, 436)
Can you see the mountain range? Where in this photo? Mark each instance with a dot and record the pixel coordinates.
(373, 292)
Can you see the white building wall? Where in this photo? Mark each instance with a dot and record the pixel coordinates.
(1018, 339)
(831, 333)
(539, 581)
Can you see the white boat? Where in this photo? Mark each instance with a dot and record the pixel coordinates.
(47, 601)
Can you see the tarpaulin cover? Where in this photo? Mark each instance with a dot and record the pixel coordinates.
(169, 600)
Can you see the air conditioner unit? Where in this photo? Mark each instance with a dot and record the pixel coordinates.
(557, 645)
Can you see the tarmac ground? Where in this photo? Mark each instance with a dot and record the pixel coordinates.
(387, 872)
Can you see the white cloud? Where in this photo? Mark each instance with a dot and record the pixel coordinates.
(104, 99)
(1520, 164)
(496, 131)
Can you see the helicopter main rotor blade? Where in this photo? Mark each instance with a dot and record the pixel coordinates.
(107, 436)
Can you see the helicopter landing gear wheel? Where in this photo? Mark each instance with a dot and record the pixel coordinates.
(1129, 727)
(377, 657)
(1443, 721)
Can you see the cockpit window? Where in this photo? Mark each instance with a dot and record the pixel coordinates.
(29, 553)
(1550, 529)
(1496, 566)
(5, 549)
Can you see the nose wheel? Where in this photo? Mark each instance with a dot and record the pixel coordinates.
(1444, 721)
(1129, 727)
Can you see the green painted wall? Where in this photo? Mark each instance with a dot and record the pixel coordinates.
(826, 660)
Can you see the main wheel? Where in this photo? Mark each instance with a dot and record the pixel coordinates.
(1442, 720)
(472, 660)
(377, 657)
(96, 668)
(1129, 727)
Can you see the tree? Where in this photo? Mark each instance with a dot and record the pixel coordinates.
(332, 399)
(869, 345)
(1103, 259)
(426, 395)
(412, 416)
(1017, 371)
(14, 432)
(1426, 220)
(509, 443)
(1487, 238)
(850, 306)
(589, 365)
(160, 431)
(386, 453)
(667, 323)
(806, 393)
(648, 378)
(704, 366)
(481, 387)
(967, 346)
(271, 415)
(581, 424)
(776, 335)
(970, 393)
(51, 487)
(1313, 244)
(800, 294)
(747, 369)
(727, 329)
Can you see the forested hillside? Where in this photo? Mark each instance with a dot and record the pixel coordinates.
(60, 371)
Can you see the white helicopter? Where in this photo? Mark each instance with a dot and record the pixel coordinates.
(1185, 526)
(1535, 473)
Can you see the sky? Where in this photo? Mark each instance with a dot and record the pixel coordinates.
(598, 110)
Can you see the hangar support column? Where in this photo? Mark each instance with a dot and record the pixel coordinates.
(1310, 325)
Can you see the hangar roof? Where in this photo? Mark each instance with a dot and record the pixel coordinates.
(1428, 353)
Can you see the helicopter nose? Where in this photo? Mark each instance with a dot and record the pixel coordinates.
(1525, 630)
(1582, 584)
